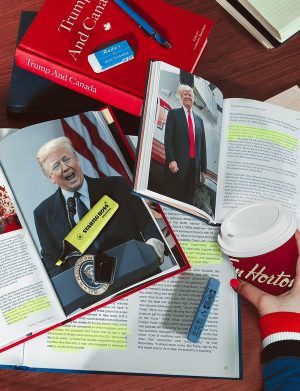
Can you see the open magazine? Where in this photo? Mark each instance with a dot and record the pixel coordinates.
(65, 254)
(244, 150)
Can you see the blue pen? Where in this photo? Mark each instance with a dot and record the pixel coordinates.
(203, 310)
(143, 24)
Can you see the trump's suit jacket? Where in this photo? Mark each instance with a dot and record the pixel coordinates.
(131, 221)
(177, 143)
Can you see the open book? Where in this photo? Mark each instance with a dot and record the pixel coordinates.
(250, 153)
(57, 265)
(146, 333)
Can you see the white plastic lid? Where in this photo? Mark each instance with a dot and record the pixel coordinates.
(256, 229)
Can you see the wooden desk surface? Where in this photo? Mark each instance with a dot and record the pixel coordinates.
(240, 67)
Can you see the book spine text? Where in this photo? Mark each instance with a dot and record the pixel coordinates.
(73, 80)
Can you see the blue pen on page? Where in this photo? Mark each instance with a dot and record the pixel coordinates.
(203, 310)
(143, 24)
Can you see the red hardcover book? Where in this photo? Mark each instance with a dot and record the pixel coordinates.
(65, 32)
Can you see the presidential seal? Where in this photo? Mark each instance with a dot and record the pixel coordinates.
(84, 275)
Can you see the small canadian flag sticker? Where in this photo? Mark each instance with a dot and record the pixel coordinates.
(107, 26)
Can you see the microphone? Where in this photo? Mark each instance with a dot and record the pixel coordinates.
(71, 208)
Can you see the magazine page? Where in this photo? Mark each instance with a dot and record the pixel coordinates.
(259, 155)
(146, 332)
(5, 131)
(99, 229)
(179, 142)
(27, 300)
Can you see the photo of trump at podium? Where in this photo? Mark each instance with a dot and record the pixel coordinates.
(53, 220)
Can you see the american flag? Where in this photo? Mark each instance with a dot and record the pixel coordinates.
(97, 149)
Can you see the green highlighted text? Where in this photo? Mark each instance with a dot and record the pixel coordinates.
(237, 132)
(71, 338)
(202, 253)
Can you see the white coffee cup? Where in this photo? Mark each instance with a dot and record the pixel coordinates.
(260, 242)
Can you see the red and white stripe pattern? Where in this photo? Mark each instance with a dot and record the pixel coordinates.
(97, 149)
(279, 326)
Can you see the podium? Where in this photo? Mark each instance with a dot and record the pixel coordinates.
(135, 261)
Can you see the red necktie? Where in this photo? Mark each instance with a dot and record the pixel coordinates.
(192, 135)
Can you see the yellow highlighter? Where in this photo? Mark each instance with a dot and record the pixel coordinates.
(88, 228)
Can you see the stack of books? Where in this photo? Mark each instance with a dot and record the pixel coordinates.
(92, 27)
(271, 22)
